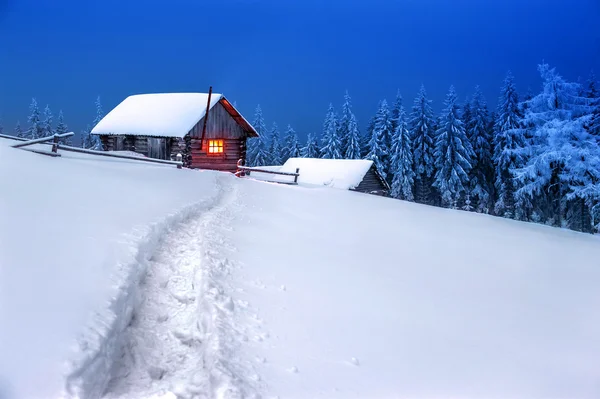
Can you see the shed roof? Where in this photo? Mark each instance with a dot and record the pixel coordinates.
(338, 173)
(164, 115)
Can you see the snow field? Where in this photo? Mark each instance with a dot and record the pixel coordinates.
(201, 285)
(386, 298)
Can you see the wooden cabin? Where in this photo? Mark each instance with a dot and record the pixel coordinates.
(166, 124)
(348, 174)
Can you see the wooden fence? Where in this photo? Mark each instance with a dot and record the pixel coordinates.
(56, 145)
(247, 170)
(43, 140)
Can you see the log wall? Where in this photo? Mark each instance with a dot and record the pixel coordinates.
(233, 150)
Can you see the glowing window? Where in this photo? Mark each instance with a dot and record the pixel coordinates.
(215, 146)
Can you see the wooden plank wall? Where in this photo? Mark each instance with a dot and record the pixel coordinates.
(371, 183)
(141, 145)
(177, 147)
(220, 125)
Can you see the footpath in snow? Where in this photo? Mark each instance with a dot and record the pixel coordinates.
(181, 337)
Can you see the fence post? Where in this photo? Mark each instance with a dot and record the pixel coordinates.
(179, 158)
(297, 174)
(55, 143)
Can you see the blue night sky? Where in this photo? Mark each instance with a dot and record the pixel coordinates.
(291, 57)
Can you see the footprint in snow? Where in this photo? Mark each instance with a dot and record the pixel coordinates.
(184, 298)
(185, 337)
(162, 317)
(227, 304)
(293, 369)
(262, 337)
(283, 288)
(156, 373)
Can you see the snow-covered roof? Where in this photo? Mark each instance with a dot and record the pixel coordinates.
(344, 174)
(161, 114)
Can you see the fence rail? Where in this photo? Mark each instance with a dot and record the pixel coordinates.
(6, 136)
(179, 164)
(44, 140)
(56, 146)
(247, 170)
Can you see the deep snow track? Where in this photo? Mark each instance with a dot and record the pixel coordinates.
(181, 339)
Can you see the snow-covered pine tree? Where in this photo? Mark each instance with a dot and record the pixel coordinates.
(344, 123)
(87, 140)
(564, 160)
(379, 143)
(274, 146)
(95, 140)
(311, 150)
(396, 113)
(61, 128)
(465, 112)
(353, 142)
(365, 138)
(48, 130)
(332, 145)
(291, 146)
(593, 93)
(256, 152)
(262, 154)
(421, 129)
(592, 89)
(453, 154)
(508, 137)
(35, 130)
(525, 208)
(402, 158)
(99, 112)
(481, 176)
(594, 123)
(18, 130)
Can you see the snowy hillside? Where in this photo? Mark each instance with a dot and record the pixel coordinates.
(128, 280)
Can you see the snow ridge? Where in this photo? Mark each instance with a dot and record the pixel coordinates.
(89, 372)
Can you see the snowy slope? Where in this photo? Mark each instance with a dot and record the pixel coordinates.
(358, 296)
(250, 289)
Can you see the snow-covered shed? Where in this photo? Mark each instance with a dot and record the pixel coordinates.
(346, 174)
(164, 124)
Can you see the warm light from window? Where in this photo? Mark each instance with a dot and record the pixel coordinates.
(215, 146)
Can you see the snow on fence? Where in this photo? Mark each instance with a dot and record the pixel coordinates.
(44, 140)
(56, 145)
(246, 170)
